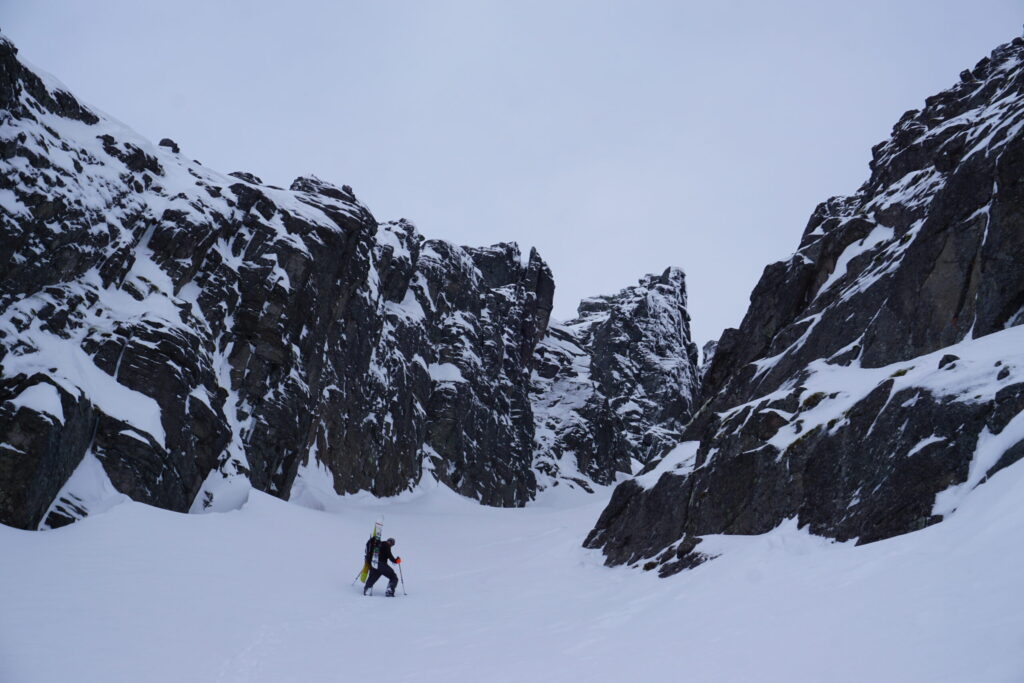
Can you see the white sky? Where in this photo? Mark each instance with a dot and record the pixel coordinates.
(617, 137)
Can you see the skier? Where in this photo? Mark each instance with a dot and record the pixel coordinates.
(383, 557)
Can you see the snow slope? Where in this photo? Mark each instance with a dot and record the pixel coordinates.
(263, 594)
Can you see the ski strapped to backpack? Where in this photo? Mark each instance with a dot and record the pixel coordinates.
(372, 554)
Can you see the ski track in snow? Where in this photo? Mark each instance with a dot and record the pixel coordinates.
(264, 594)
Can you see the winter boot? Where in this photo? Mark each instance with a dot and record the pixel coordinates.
(389, 594)
(367, 590)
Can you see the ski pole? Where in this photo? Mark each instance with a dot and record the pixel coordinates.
(402, 576)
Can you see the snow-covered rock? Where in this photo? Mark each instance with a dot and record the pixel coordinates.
(181, 336)
(617, 384)
(197, 334)
(878, 375)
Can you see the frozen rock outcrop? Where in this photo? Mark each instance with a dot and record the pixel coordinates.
(179, 336)
(197, 333)
(616, 385)
(878, 375)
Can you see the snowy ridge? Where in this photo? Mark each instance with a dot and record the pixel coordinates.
(201, 335)
(932, 196)
(125, 274)
(873, 383)
(614, 387)
(192, 330)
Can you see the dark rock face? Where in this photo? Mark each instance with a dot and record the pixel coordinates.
(617, 384)
(863, 389)
(195, 330)
(447, 379)
(178, 336)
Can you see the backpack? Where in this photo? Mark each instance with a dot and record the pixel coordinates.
(371, 547)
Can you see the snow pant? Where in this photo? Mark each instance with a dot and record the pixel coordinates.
(375, 573)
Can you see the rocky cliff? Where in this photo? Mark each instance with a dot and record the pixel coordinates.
(177, 335)
(878, 375)
(616, 385)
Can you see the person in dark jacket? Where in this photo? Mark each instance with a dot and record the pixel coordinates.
(383, 557)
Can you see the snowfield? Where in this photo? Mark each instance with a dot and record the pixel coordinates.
(264, 594)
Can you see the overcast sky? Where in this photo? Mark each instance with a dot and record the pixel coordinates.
(617, 137)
